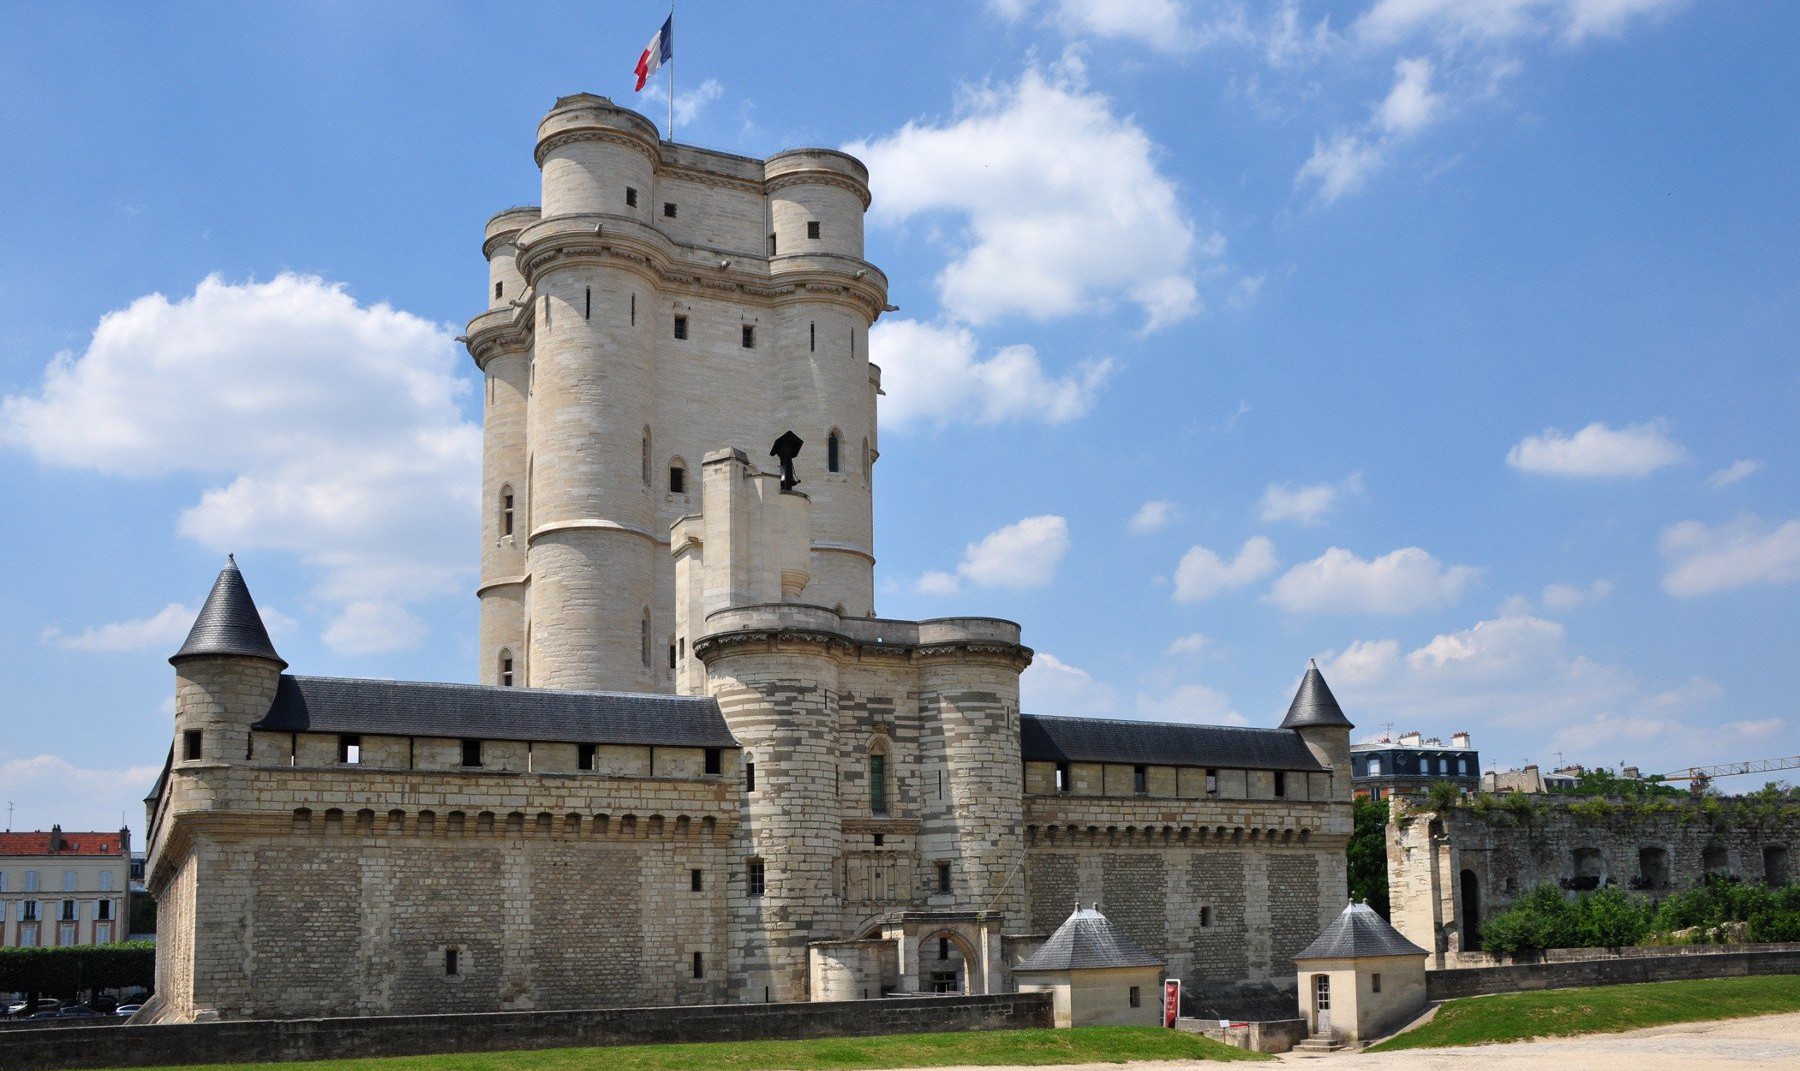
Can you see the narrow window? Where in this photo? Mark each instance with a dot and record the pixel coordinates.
(668, 209)
(1280, 783)
(190, 742)
(630, 197)
(678, 479)
(749, 337)
(880, 839)
(587, 307)
(671, 656)
(506, 511)
(634, 310)
(1062, 777)
(471, 753)
(350, 749)
(644, 637)
(943, 877)
(499, 289)
(452, 963)
(812, 228)
(812, 336)
(1140, 780)
(1212, 782)
(771, 245)
(699, 965)
(68, 881)
(831, 452)
(584, 756)
(644, 459)
(696, 883)
(103, 910)
(68, 911)
(749, 777)
(943, 948)
(1137, 998)
(506, 669)
(755, 881)
(878, 784)
(712, 761)
(1206, 918)
(681, 327)
(1374, 983)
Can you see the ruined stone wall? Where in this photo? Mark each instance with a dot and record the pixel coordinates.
(1449, 872)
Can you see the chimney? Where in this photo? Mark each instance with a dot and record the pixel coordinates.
(1411, 739)
(1459, 739)
(56, 839)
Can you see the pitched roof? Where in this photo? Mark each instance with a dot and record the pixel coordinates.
(413, 708)
(1314, 705)
(1087, 940)
(1359, 931)
(1047, 739)
(38, 843)
(229, 623)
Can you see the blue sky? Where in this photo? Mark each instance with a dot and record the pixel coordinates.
(1450, 343)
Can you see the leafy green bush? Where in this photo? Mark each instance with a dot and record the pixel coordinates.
(1720, 910)
(66, 971)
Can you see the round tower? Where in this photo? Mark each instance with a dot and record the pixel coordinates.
(226, 674)
(500, 342)
(594, 548)
(1321, 723)
(816, 202)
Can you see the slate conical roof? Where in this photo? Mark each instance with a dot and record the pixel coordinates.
(1359, 931)
(229, 624)
(1087, 939)
(1314, 706)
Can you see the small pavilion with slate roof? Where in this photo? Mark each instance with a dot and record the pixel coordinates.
(1361, 979)
(1097, 975)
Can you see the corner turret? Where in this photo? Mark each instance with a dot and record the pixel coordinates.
(225, 674)
(1316, 716)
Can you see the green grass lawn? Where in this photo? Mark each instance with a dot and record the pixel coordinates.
(1599, 1010)
(1098, 1044)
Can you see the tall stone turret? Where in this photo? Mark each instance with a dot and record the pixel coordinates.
(225, 675)
(1316, 716)
(664, 302)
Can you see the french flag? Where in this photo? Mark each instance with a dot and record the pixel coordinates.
(660, 50)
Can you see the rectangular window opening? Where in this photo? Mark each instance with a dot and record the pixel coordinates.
(506, 514)
(681, 327)
(749, 337)
(755, 879)
(452, 962)
(1137, 998)
(190, 744)
(634, 310)
(714, 756)
(1374, 983)
(943, 948)
(506, 672)
(1140, 780)
(943, 877)
(499, 289)
(771, 245)
(812, 228)
(350, 749)
(1062, 777)
(749, 777)
(878, 784)
(1280, 783)
(880, 839)
(677, 480)
(1212, 782)
(630, 197)
(696, 883)
(671, 656)
(584, 756)
(812, 336)
(668, 209)
(699, 965)
(471, 753)
(587, 308)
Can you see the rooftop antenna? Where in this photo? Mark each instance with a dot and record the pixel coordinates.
(9, 805)
(1387, 732)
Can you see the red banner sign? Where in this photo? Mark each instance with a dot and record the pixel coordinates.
(1171, 1002)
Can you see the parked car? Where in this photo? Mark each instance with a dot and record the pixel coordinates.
(21, 1010)
(124, 1011)
(78, 1011)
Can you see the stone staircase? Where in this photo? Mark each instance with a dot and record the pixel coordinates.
(1319, 1045)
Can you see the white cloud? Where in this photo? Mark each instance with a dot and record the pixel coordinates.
(933, 377)
(166, 628)
(1732, 473)
(1306, 505)
(1339, 166)
(49, 789)
(689, 104)
(1201, 574)
(1401, 582)
(1022, 555)
(332, 428)
(1343, 164)
(1042, 238)
(1491, 20)
(1191, 644)
(1160, 25)
(1193, 703)
(1411, 105)
(1704, 560)
(373, 626)
(1051, 686)
(1151, 516)
(1570, 597)
(1598, 451)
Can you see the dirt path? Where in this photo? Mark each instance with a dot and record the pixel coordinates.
(1767, 1043)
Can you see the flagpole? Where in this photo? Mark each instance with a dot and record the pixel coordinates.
(671, 70)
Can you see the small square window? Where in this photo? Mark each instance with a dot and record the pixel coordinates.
(749, 337)
(880, 840)
(350, 749)
(471, 753)
(190, 744)
(696, 882)
(630, 197)
(668, 209)
(713, 761)
(584, 756)
(812, 228)
(681, 327)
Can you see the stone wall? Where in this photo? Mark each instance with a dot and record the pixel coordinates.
(332, 1039)
(1611, 970)
(1449, 872)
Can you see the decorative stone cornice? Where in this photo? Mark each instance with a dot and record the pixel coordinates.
(649, 150)
(820, 178)
(836, 643)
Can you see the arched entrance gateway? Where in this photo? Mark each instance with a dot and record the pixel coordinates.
(943, 961)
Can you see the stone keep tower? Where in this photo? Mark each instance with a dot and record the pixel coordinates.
(662, 302)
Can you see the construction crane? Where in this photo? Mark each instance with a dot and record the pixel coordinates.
(1701, 776)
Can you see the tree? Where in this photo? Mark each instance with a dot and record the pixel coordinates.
(1368, 855)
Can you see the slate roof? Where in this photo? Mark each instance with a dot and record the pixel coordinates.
(1314, 705)
(1047, 739)
(1087, 940)
(229, 623)
(412, 708)
(1359, 931)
